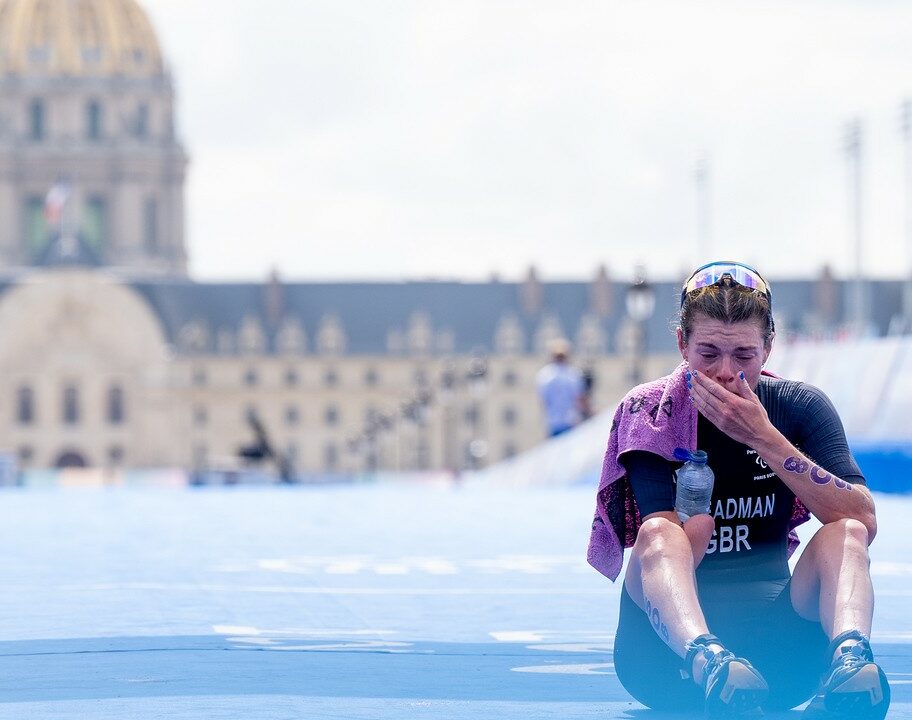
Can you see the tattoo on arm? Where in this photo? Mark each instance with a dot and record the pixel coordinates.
(655, 617)
(795, 465)
(819, 476)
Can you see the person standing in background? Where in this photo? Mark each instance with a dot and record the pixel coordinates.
(561, 389)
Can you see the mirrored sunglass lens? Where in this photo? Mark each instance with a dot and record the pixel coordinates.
(745, 278)
(705, 278)
(712, 275)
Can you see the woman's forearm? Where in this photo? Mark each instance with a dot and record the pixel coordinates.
(827, 496)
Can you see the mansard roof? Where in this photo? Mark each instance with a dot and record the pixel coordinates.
(369, 312)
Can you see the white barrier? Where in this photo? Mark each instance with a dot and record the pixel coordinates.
(869, 382)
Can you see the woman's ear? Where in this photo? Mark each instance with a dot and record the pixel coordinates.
(682, 346)
(768, 348)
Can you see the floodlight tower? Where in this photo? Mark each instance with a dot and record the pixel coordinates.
(906, 129)
(853, 150)
(704, 209)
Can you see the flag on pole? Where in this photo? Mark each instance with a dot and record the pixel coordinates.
(55, 201)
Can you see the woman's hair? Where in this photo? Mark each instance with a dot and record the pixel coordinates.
(730, 303)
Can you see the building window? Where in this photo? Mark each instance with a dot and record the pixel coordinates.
(37, 127)
(116, 455)
(93, 120)
(141, 128)
(472, 415)
(91, 55)
(200, 416)
(36, 227)
(331, 456)
(331, 415)
(95, 223)
(199, 376)
(116, 412)
(509, 450)
(510, 379)
(371, 377)
(250, 377)
(509, 416)
(292, 415)
(150, 224)
(291, 377)
(25, 405)
(292, 455)
(423, 455)
(200, 457)
(39, 55)
(330, 378)
(25, 454)
(71, 405)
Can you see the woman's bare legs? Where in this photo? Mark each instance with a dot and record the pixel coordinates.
(832, 580)
(660, 579)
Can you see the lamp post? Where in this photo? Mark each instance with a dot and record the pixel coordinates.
(461, 395)
(448, 420)
(476, 379)
(640, 302)
(415, 411)
(702, 180)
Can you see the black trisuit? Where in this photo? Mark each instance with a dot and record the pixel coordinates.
(743, 581)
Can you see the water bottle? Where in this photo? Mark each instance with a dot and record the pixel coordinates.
(695, 484)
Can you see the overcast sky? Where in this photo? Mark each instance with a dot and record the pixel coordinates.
(388, 140)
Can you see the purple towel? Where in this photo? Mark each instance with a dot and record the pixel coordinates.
(656, 417)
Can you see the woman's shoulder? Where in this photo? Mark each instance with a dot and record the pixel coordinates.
(791, 395)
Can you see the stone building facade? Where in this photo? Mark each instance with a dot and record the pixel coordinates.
(100, 370)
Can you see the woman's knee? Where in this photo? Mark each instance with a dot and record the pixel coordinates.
(660, 536)
(834, 543)
(846, 531)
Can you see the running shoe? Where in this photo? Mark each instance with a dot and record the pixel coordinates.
(855, 686)
(732, 686)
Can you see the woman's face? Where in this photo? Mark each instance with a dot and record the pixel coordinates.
(722, 351)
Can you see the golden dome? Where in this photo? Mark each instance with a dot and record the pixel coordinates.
(77, 38)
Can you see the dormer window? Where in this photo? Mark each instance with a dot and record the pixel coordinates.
(141, 126)
(91, 55)
(150, 224)
(70, 409)
(93, 120)
(36, 127)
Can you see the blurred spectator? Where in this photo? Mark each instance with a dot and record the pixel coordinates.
(562, 389)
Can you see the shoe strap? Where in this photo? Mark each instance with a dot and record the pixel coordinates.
(697, 645)
(856, 635)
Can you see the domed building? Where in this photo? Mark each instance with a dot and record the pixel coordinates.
(90, 169)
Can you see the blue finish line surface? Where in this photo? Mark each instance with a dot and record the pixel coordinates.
(381, 601)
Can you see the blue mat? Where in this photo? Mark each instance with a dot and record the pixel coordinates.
(357, 602)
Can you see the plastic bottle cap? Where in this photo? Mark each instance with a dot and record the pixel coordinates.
(684, 455)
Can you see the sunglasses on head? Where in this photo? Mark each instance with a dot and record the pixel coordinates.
(720, 271)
